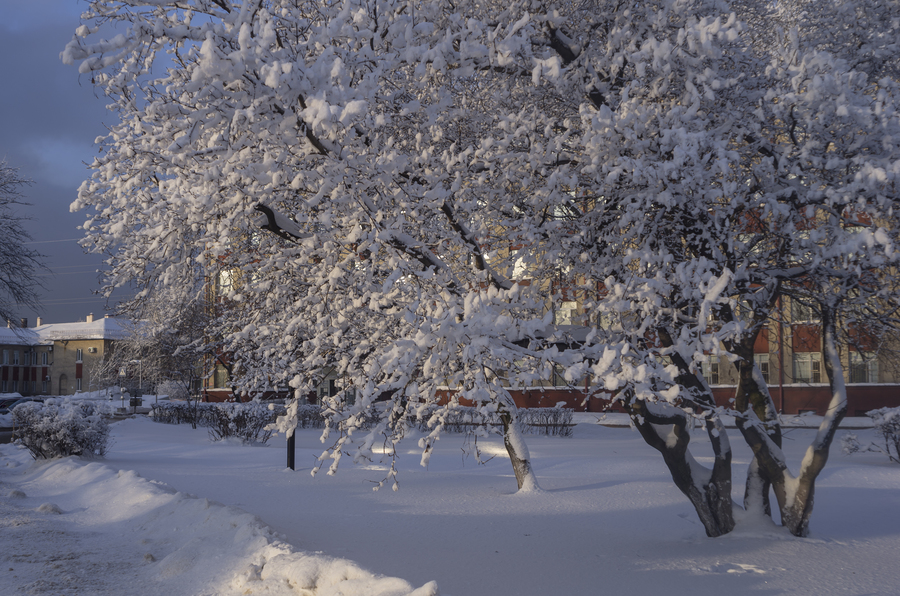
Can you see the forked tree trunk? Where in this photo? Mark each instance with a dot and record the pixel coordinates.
(709, 491)
(798, 505)
(665, 428)
(795, 495)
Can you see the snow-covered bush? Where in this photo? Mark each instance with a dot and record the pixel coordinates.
(547, 421)
(310, 416)
(249, 421)
(59, 428)
(176, 391)
(193, 413)
(538, 421)
(887, 422)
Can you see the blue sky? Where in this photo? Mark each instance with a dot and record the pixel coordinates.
(50, 118)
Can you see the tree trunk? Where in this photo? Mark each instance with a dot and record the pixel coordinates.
(752, 395)
(795, 495)
(516, 447)
(710, 494)
(795, 512)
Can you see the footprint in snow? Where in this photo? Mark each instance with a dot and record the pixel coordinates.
(737, 568)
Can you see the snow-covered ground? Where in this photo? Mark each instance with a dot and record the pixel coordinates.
(169, 512)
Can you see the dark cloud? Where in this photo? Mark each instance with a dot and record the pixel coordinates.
(50, 118)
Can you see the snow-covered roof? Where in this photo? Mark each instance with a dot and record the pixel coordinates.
(105, 328)
(18, 337)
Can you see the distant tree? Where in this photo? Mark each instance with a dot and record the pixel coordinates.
(166, 344)
(19, 265)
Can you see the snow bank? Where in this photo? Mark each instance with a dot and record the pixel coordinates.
(170, 542)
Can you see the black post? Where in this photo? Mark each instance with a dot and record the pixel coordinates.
(290, 450)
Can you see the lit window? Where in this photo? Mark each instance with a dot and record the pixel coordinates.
(520, 264)
(807, 367)
(220, 378)
(565, 313)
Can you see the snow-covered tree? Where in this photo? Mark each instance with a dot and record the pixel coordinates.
(19, 265)
(789, 192)
(329, 114)
(167, 342)
(439, 176)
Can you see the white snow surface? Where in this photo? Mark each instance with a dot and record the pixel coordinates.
(608, 521)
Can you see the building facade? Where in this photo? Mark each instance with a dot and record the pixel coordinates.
(57, 358)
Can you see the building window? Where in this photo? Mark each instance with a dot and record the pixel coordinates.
(519, 260)
(15, 387)
(79, 354)
(15, 357)
(3, 387)
(5, 356)
(711, 370)
(807, 367)
(803, 313)
(43, 387)
(44, 358)
(863, 367)
(33, 358)
(565, 313)
(220, 377)
(762, 363)
(77, 384)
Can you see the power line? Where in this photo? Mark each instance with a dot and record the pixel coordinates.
(52, 241)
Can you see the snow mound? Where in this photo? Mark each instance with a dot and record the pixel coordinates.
(51, 508)
(173, 543)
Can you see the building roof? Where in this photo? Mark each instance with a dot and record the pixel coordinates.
(105, 328)
(18, 337)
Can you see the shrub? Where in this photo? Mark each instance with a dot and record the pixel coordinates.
(310, 416)
(193, 413)
(175, 391)
(59, 428)
(541, 421)
(547, 421)
(246, 421)
(887, 422)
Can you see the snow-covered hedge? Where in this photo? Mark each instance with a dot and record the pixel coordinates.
(887, 422)
(198, 414)
(204, 414)
(249, 421)
(59, 428)
(539, 421)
